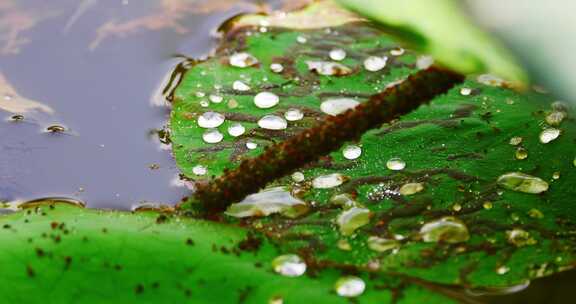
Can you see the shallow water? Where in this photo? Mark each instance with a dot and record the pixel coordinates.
(97, 64)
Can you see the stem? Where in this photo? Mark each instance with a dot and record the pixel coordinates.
(327, 136)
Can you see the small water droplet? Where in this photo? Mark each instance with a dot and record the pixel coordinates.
(560, 106)
(344, 200)
(216, 98)
(212, 136)
(265, 100)
(349, 286)
(251, 145)
(56, 129)
(276, 300)
(243, 60)
(338, 105)
(17, 117)
(535, 213)
(298, 177)
(447, 229)
(375, 64)
(521, 153)
(379, 244)
(337, 54)
(327, 68)
(465, 91)
(200, 94)
(555, 118)
(556, 175)
(396, 164)
(344, 245)
(210, 120)
(457, 207)
(8, 97)
(549, 135)
(272, 122)
(199, 170)
(289, 265)
(519, 237)
(352, 152)
(397, 51)
(329, 181)
(240, 86)
(268, 201)
(293, 115)
(232, 103)
(502, 270)
(204, 103)
(424, 62)
(487, 205)
(276, 67)
(301, 39)
(236, 129)
(516, 140)
(350, 220)
(521, 182)
(411, 188)
(491, 80)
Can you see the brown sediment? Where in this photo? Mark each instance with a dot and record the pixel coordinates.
(283, 158)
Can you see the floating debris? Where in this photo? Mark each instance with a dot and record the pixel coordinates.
(272, 122)
(276, 67)
(411, 188)
(379, 244)
(375, 64)
(349, 286)
(549, 135)
(216, 98)
(522, 182)
(395, 164)
(327, 68)
(210, 120)
(199, 170)
(352, 152)
(236, 129)
(212, 136)
(240, 86)
(521, 153)
(265, 100)
(338, 105)
(269, 201)
(447, 229)
(242, 60)
(350, 220)
(289, 265)
(293, 115)
(337, 54)
(519, 237)
(329, 181)
(516, 140)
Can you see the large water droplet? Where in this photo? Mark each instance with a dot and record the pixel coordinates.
(411, 188)
(338, 105)
(337, 54)
(521, 182)
(447, 229)
(352, 152)
(327, 68)
(272, 122)
(379, 244)
(289, 265)
(240, 86)
(549, 135)
(236, 129)
(519, 237)
(212, 136)
(210, 120)
(350, 220)
(349, 286)
(293, 115)
(265, 100)
(396, 164)
(243, 60)
(269, 201)
(328, 181)
(199, 170)
(375, 64)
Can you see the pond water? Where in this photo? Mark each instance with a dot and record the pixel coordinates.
(97, 65)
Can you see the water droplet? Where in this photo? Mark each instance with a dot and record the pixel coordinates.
(411, 188)
(301, 39)
(17, 117)
(337, 54)
(457, 207)
(272, 122)
(555, 118)
(338, 105)
(329, 181)
(521, 182)
(8, 97)
(447, 229)
(352, 152)
(251, 145)
(204, 103)
(379, 244)
(516, 140)
(289, 265)
(490, 80)
(293, 115)
(56, 129)
(276, 300)
(328, 68)
(375, 64)
(465, 91)
(549, 135)
(232, 103)
(519, 237)
(556, 175)
(236, 129)
(243, 60)
(344, 200)
(199, 170)
(216, 98)
(343, 244)
(265, 100)
(424, 62)
(521, 153)
(350, 220)
(349, 286)
(502, 270)
(212, 136)
(498, 291)
(240, 86)
(397, 52)
(487, 205)
(396, 164)
(200, 94)
(535, 213)
(269, 201)
(298, 177)
(210, 120)
(276, 67)
(560, 106)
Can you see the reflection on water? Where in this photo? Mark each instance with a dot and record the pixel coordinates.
(91, 66)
